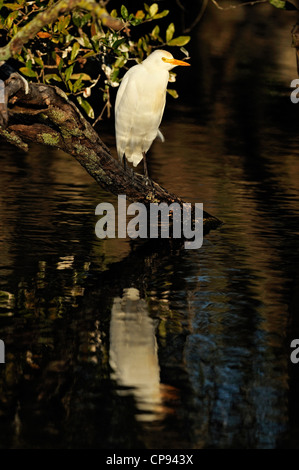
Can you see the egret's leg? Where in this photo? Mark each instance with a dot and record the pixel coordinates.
(148, 180)
(127, 168)
(145, 165)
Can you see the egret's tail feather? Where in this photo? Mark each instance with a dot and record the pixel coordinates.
(135, 158)
(160, 136)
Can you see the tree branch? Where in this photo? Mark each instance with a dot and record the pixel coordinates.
(202, 9)
(47, 116)
(230, 7)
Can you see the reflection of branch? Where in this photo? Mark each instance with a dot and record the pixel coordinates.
(239, 4)
(199, 16)
(204, 5)
(180, 5)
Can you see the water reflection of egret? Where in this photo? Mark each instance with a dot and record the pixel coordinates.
(133, 353)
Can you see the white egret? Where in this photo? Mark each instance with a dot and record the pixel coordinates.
(139, 106)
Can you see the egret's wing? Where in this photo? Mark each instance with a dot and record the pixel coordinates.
(126, 105)
(121, 90)
(138, 112)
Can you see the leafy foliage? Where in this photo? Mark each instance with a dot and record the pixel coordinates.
(278, 3)
(80, 55)
(284, 4)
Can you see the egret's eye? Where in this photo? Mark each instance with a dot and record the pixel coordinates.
(164, 59)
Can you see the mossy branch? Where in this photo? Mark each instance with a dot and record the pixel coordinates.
(46, 115)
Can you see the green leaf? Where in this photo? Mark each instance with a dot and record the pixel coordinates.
(120, 62)
(173, 93)
(68, 73)
(153, 9)
(179, 41)
(170, 32)
(61, 65)
(278, 4)
(87, 43)
(145, 45)
(77, 18)
(113, 13)
(55, 40)
(28, 72)
(118, 42)
(12, 6)
(39, 61)
(89, 54)
(52, 76)
(63, 22)
(77, 85)
(161, 15)
(10, 19)
(155, 32)
(80, 76)
(135, 22)
(124, 12)
(75, 50)
(85, 19)
(114, 75)
(86, 106)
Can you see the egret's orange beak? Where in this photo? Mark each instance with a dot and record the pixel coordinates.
(175, 61)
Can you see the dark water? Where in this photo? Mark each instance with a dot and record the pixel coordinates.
(112, 344)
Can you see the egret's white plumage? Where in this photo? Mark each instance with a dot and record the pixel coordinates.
(140, 103)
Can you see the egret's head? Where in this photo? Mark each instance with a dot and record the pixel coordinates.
(164, 60)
